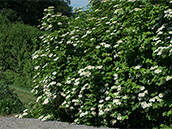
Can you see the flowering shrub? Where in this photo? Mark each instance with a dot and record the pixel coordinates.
(108, 66)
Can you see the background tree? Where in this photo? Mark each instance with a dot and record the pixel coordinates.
(31, 11)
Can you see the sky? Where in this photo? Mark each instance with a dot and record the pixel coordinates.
(79, 3)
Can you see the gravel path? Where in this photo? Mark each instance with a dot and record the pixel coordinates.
(25, 123)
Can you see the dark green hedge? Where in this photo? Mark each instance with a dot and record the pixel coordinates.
(16, 47)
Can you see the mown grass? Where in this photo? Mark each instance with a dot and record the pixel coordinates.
(24, 95)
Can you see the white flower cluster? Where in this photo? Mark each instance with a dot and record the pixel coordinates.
(85, 72)
(37, 67)
(168, 13)
(87, 33)
(141, 95)
(160, 49)
(156, 69)
(115, 76)
(83, 114)
(145, 104)
(68, 81)
(117, 101)
(137, 67)
(44, 118)
(36, 54)
(86, 86)
(158, 98)
(46, 101)
(25, 112)
(137, 9)
(76, 83)
(75, 101)
(168, 78)
(105, 45)
(117, 10)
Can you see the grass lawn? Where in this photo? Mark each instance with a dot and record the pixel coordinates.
(24, 95)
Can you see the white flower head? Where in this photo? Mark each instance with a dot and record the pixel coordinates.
(107, 45)
(75, 100)
(115, 46)
(120, 41)
(35, 56)
(20, 116)
(116, 101)
(114, 87)
(102, 44)
(107, 98)
(40, 117)
(54, 73)
(168, 78)
(125, 97)
(59, 23)
(59, 84)
(142, 88)
(101, 112)
(141, 94)
(25, 110)
(76, 83)
(99, 67)
(158, 71)
(97, 47)
(25, 114)
(45, 101)
(160, 95)
(137, 9)
(152, 68)
(38, 98)
(115, 76)
(137, 67)
(119, 117)
(37, 67)
(46, 117)
(152, 100)
(90, 67)
(50, 55)
(100, 106)
(52, 83)
(101, 101)
(92, 109)
(113, 122)
(56, 58)
(170, 32)
(87, 74)
(144, 105)
(93, 113)
(83, 114)
(160, 52)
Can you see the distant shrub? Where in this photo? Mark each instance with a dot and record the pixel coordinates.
(4, 20)
(110, 66)
(16, 47)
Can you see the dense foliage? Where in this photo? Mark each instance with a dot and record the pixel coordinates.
(16, 46)
(109, 66)
(9, 101)
(30, 12)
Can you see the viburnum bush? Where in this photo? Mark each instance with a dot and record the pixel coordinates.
(110, 65)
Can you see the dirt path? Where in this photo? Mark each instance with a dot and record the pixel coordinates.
(26, 123)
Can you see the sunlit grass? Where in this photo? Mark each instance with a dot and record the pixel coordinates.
(24, 95)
